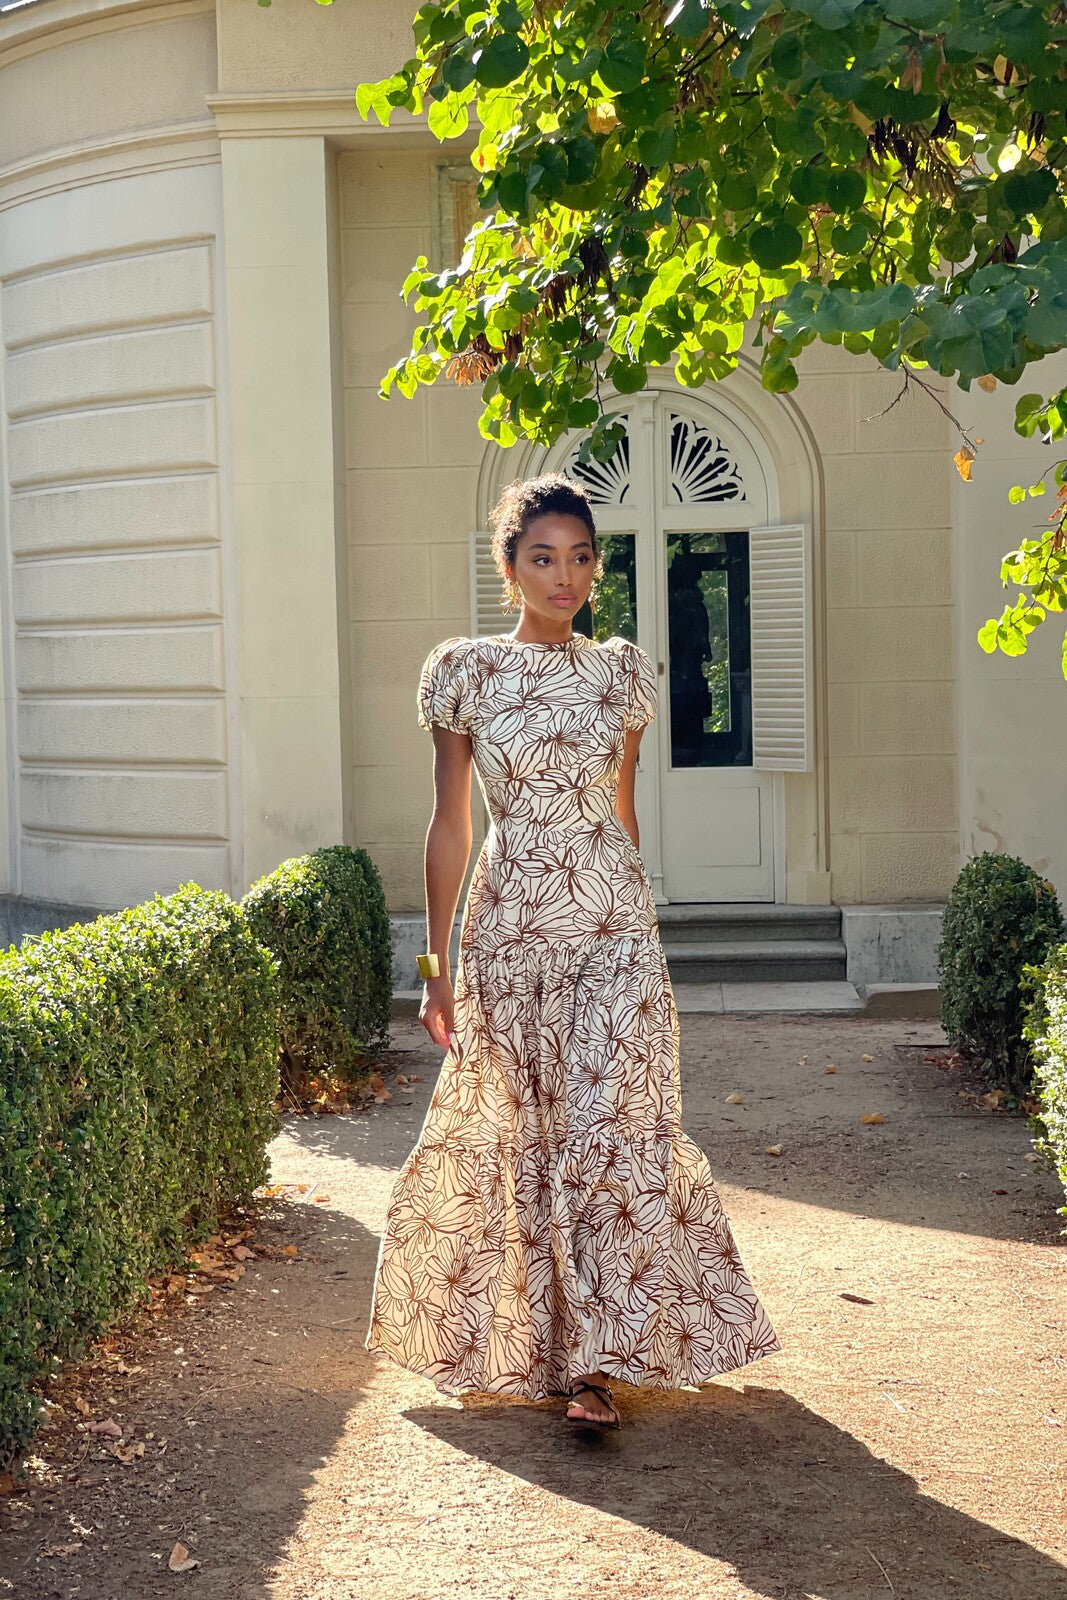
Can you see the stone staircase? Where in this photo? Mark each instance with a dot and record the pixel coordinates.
(706, 944)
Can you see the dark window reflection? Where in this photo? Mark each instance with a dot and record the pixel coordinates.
(616, 606)
(708, 635)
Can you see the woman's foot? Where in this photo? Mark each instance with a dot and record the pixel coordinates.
(589, 1406)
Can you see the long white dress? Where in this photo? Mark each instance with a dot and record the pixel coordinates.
(553, 1218)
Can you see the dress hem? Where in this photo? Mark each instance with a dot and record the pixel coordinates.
(454, 1390)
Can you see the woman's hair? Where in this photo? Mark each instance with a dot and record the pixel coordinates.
(522, 501)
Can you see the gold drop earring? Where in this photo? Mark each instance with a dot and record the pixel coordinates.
(512, 600)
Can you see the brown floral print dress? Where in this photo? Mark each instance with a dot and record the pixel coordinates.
(553, 1218)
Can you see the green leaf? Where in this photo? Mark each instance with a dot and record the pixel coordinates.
(774, 245)
(448, 118)
(829, 14)
(688, 19)
(501, 61)
(845, 190)
(459, 71)
(622, 65)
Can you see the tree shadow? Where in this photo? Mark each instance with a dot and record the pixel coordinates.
(238, 1403)
(756, 1480)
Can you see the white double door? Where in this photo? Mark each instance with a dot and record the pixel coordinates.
(675, 508)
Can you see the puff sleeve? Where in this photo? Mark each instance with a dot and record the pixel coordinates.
(639, 677)
(444, 692)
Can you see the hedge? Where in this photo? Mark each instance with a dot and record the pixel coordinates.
(1000, 917)
(1046, 1029)
(138, 1074)
(324, 917)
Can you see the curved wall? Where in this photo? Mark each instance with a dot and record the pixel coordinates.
(116, 652)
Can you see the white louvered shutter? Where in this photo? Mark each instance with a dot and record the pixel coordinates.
(486, 587)
(780, 606)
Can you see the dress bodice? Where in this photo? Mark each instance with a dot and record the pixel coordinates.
(547, 724)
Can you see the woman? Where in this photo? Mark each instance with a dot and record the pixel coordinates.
(554, 1227)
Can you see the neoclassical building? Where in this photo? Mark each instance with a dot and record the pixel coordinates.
(225, 557)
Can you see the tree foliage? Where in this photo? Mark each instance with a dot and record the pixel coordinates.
(661, 180)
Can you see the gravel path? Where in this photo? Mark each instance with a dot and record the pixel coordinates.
(909, 1441)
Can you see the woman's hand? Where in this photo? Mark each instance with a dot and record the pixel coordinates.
(436, 1011)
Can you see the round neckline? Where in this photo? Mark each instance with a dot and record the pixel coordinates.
(539, 644)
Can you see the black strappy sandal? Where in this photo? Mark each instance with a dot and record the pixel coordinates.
(603, 1394)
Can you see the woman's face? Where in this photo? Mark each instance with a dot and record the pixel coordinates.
(554, 565)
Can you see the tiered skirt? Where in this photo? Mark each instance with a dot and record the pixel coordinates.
(553, 1218)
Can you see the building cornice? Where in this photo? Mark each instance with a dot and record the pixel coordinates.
(326, 113)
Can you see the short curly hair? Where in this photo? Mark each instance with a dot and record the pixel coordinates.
(527, 498)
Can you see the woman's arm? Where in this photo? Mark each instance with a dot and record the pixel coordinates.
(448, 848)
(624, 804)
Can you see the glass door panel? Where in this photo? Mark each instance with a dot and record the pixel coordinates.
(709, 650)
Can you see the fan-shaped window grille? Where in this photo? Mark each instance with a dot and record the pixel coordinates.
(703, 470)
(607, 483)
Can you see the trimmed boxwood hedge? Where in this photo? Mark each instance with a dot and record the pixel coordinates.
(1000, 917)
(324, 917)
(138, 1075)
(1046, 1029)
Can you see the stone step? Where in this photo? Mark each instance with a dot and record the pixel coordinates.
(729, 923)
(755, 960)
(749, 999)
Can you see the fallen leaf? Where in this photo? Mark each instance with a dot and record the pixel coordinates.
(401, 1078)
(830, 1068)
(7, 1483)
(126, 1453)
(322, 1199)
(872, 1116)
(180, 1559)
(377, 1082)
(987, 382)
(243, 1253)
(772, 1149)
(963, 460)
(803, 1061)
(290, 1250)
(413, 1077)
(110, 1428)
(993, 1098)
(866, 1058)
(1000, 1191)
(61, 1549)
(80, 1405)
(857, 1299)
(735, 1099)
(382, 1097)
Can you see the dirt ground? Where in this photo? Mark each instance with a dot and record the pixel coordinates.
(908, 1442)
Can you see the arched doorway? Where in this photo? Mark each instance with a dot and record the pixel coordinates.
(697, 573)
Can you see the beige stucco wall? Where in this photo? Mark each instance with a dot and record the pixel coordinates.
(1013, 712)
(412, 470)
(889, 643)
(295, 44)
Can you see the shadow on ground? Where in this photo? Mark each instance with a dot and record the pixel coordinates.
(755, 1479)
(238, 1401)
